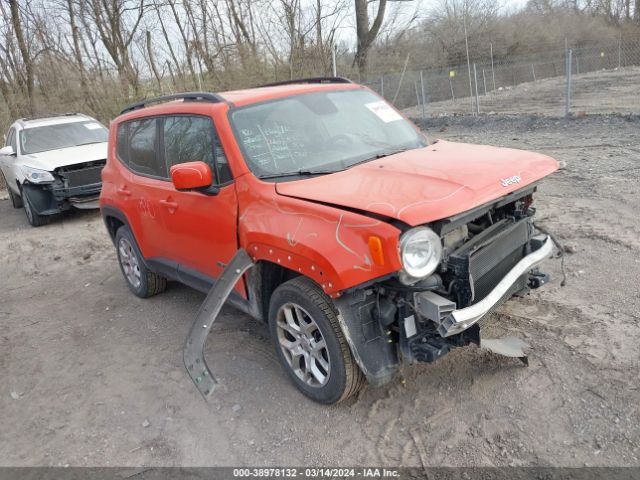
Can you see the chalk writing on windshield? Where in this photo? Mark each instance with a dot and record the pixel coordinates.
(275, 146)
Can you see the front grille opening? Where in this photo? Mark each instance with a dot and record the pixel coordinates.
(81, 174)
(494, 244)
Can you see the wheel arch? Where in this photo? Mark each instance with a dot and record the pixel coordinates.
(264, 279)
(115, 218)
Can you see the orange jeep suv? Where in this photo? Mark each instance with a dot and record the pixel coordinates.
(369, 246)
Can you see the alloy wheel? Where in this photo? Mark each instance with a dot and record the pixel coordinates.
(303, 345)
(129, 262)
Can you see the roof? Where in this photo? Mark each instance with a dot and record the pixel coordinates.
(240, 97)
(52, 120)
(261, 94)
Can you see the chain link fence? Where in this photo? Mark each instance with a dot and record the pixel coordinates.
(604, 79)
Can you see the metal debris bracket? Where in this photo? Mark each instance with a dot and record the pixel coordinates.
(193, 353)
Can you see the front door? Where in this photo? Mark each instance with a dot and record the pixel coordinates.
(200, 227)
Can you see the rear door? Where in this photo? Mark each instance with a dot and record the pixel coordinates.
(146, 186)
(200, 228)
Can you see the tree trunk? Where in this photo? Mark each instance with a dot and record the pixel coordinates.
(152, 63)
(75, 34)
(24, 51)
(366, 35)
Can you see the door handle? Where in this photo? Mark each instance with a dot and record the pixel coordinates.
(172, 206)
(123, 191)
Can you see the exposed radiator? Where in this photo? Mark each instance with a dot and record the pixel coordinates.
(484, 260)
(76, 177)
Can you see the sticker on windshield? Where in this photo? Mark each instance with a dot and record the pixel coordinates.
(384, 111)
(92, 126)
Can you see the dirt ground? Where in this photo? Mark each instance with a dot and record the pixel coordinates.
(92, 375)
(605, 91)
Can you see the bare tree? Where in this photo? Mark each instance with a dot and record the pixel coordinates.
(24, 52)
(110, 20)
(366, 34)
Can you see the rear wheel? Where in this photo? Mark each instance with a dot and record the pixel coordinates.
(141, 281)
(34, 218)
(310, 344)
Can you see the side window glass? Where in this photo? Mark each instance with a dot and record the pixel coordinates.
(142, 155)
(224, 172)
(122, 143)
(193, 138)
(11, 138)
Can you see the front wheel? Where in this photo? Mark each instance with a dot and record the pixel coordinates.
(34, 218)
(309, 342)
(16, 201)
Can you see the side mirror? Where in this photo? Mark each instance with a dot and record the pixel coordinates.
(191, 176)
(7, 151)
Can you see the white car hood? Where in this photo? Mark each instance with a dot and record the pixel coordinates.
(52, 159)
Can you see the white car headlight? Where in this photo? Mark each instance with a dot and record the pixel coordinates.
(420, 252)
(35, 175)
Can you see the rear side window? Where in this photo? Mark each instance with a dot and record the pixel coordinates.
(137, 146)
(189, 138)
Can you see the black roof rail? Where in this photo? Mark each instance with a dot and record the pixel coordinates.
(187, 97)
(308, 80)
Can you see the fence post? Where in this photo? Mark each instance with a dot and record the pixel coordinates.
(493, 73)
(466, 43)
(424, 99)
(577, 65)
(567, 106)
(620, 51)
(475, 76)
(334, 68)
(484, 80)
(533, 71)
(453, 97)
(382, 86)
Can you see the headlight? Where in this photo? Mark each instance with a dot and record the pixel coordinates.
(420, 252)
(35, 175)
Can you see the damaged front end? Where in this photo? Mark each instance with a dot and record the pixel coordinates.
(489, 255)
(75, 185)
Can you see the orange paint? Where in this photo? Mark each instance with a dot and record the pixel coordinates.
(319, 227)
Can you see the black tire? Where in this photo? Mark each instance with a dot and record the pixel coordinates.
(344, 377)
(141, 281)
(33, 217)
(16, 200)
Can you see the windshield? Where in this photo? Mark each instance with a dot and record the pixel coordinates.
(320, 132)
(62, 135)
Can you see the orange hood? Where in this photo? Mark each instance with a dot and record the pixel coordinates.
(427, 184)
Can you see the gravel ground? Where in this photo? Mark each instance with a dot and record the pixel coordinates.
(605, 91)
(92, 375)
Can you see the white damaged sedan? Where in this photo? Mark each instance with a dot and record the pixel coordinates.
(51, 164)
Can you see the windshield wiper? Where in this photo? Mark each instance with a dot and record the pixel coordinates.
(88, 143)
(377, 156)
(297, 173)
